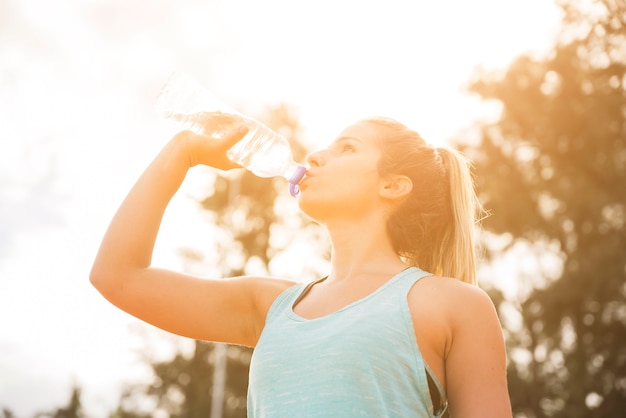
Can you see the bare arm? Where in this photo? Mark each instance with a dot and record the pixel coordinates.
(228, 310)
(476, 361)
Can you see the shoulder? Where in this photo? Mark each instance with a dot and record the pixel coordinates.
(263, 292)
(451, 295)
(467, 303)
(452, 306)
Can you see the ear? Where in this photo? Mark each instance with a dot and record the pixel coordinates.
(395, 187)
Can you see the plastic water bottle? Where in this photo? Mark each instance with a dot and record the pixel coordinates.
(262, 151)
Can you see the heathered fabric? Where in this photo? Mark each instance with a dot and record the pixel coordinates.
(360, 361)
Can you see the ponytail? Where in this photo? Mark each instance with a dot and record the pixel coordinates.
(434, 227)
(457, 254)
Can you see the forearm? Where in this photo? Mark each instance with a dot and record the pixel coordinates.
(129, 240)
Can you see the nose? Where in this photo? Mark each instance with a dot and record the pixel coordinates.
(315, 159)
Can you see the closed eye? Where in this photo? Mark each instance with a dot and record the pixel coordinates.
(345, 145)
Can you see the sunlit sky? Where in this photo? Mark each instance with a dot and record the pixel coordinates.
(77, 126)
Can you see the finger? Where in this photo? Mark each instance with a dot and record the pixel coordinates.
(217, 123)
(225, 142)
(233, 136)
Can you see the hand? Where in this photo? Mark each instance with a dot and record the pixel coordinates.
(210, 151)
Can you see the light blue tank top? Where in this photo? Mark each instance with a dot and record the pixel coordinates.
(360, 361)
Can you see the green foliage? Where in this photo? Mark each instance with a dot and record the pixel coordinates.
(183, 386)
(74, 408)
(552, 170)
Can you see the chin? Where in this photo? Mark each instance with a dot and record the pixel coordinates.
(308, 208)
(314, 209)
(327, 210)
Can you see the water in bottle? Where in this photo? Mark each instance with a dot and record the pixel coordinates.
(262, 151)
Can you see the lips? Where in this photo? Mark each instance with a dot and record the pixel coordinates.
(305, 180)
(309, 173)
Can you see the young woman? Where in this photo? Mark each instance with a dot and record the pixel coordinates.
(398, 328)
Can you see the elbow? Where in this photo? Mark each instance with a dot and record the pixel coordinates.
(103, 279)
(98, 278)
(112, 280)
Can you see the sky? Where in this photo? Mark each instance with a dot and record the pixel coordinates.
(77, 126)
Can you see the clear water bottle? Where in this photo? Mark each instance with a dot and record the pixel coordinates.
(262, 151)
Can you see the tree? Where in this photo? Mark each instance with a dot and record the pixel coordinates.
(7, 413)
(255, 227)
(552, 171)
(74, 408)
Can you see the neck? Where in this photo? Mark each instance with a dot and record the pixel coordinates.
(362, 249)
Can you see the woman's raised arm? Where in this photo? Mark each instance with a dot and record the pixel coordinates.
(227, 310)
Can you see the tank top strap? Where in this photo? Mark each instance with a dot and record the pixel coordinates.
(404, 281)
(284, 301)
(306, 289)
(289, 297)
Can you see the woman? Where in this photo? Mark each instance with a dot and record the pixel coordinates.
(398, 327)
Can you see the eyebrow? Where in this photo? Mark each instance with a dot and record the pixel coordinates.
(344, 139)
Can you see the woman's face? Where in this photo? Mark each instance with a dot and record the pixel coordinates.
(343, 179)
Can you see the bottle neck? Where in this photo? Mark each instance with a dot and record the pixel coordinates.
(294, 173)
(294, 176)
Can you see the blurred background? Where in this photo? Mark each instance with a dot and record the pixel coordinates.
(533, 92)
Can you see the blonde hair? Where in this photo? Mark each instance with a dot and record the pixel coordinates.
(434, 227)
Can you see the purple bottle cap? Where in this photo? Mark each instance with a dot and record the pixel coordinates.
(294, 189)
